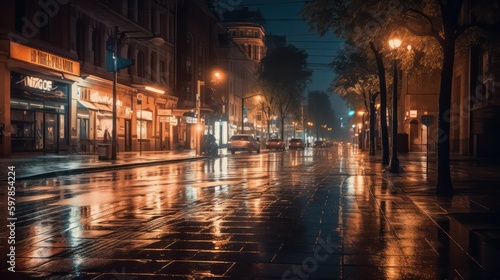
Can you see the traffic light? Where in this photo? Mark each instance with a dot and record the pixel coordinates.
(121, 63)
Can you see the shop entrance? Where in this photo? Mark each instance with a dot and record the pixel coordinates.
(83, 134)
(51, 133)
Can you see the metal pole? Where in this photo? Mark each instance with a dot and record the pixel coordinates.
(394, 164)
(140, 132)
(242, 114)
(427, 157)
(115, 78)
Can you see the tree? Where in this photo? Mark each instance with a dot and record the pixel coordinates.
(357, 83)
(319, 111)
(284, 75)
(434, 22)
(347, 19)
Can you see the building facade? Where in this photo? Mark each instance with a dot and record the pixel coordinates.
(57, 95)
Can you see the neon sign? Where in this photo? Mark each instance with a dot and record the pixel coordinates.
(96, 97)
(37, 83)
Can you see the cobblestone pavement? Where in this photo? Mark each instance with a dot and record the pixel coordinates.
(314, 214)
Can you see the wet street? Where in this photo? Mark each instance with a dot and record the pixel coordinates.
(313, 214)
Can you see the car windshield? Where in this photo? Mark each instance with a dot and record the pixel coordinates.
(273, 140)
(240, 137)
(295, 140)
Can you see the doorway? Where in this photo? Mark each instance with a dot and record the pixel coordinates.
(83, 134)
(51, 130)
(415, 144)
(128, 135)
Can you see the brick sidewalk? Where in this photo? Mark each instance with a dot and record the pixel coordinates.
(471, 218)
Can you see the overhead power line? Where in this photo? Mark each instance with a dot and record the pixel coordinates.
(275, 3)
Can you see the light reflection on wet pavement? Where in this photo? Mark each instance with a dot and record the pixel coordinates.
(313, 214)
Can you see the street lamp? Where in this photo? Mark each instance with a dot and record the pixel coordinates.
(115, 63)
(394, 163)
(242, 111)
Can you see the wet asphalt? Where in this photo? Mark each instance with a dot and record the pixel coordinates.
(313, 214)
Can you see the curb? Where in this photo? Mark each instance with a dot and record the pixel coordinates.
(84, 170)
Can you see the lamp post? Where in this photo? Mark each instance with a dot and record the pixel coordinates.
(115, 63)
(242, 111)
(394, 163)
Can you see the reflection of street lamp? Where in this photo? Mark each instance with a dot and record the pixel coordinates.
(115, 63)
(242, 111)
(199, 83)
(294, 128)
(394, 163)
(309, 124)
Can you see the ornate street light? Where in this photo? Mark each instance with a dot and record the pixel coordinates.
(394, 43)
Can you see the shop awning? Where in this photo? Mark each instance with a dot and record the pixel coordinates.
(103, 107)
(87, 105)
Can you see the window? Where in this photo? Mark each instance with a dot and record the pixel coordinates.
(132, 10)
(80, 39)
(140, 64)
(152, 66)
(170, 74)
(171, 28)
(141, 13)
(142, 129)
(154, 23)
(256, 34)
(233, 33)
(163, 74)
(97, 47)
(242, 33)
(163, 26)
(20, 14)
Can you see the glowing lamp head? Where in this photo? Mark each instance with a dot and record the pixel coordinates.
(395, 43)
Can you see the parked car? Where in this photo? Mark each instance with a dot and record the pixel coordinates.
(319, 144)
(277, 144)
(243, 142)
(296, 143)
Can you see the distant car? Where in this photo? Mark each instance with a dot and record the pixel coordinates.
(243, 142)
(328, 143)
(296, 143)
(276, 144)
(319, 144)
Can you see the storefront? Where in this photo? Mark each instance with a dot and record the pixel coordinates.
(94, 118)
(37, 87)
(39, 114)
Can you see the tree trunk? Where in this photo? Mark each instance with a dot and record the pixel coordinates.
(383, 104)
(282, 128)
(444, 187)
(372, 123)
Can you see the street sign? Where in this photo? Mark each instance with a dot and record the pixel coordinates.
(427, 120)
(164, 112)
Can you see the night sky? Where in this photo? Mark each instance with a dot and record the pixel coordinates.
(283, 18)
